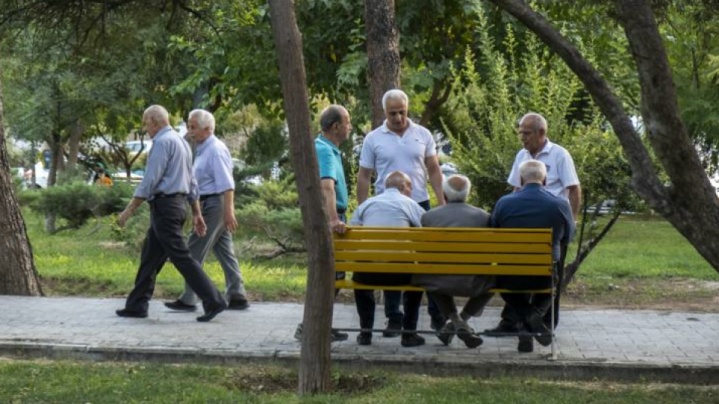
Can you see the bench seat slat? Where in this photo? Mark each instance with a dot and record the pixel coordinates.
(410, 257)
(349, 284)
(446, 269)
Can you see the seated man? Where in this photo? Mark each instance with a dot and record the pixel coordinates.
(443, 288)
(533, 207)
(392, 208)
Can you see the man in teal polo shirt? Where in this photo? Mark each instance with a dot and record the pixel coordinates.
(336, 128)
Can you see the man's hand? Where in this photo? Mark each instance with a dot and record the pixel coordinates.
(230, 221)
(338, 226)
(198, 224)
(122, 219)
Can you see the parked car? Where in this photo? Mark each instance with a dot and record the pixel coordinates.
(134, 146)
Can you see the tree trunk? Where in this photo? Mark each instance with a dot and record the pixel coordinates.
(314, 373)
(689, 203)
(74, 144)
(17, 268)
(383, 68)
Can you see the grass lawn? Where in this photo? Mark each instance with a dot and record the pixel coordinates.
(62, 381)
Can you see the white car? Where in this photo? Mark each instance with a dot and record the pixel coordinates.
(134, 146)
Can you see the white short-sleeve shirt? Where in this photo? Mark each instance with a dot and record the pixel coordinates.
(384, 151)
(560, 168)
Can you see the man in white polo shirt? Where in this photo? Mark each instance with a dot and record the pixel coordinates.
(400, 145)
(561, 181)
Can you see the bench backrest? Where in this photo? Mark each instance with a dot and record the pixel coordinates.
(466, 251)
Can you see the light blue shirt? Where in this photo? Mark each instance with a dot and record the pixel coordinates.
(169, 168)
(213, 167)
(388, 209)
(329, 160)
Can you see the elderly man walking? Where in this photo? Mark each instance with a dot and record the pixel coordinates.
(167, 186)
(213, 170)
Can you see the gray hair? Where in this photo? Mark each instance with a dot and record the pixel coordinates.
(330, 116)
(456, 188)
(205, 119)
(533, 171)
(158, 114)
(394, 94)
(538, 121)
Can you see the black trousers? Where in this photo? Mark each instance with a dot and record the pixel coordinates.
(165, 240)
(364, 299)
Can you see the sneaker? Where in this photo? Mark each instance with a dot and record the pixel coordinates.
(467, 335)
(526, 345)
(238, 304)
(364, 338)
(393, 330)
(410, 340)
(179, 305)
(338, 336)
(446, 334)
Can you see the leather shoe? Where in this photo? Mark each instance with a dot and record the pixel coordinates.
(238, 304)
(502, 328)
(535, 324)
(466, 334)
(526, 345)
(410, 340)
(364, 338)
(210, 314)
(130, 313)
(179, 305)
(394, 329)
(338, 336)
(446, 334)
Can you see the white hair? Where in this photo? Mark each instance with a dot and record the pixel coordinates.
(157, 114)
(205, 119)
(394, 94)
(533, 171)
(456, 188)
(538, 121)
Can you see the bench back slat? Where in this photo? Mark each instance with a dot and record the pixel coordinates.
(454, 269)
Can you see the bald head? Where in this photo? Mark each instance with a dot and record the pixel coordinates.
(456, 188)
(400, 181)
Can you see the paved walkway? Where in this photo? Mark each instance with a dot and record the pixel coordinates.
(614, 344)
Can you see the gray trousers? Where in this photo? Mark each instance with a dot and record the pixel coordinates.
(220, 240)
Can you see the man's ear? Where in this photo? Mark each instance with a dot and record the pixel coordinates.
(544, 182)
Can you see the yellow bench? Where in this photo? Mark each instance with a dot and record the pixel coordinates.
(444, 251)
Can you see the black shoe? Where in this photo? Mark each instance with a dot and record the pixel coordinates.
(238, 304)
(393, 330)
(526, 344)
(364, 338)
(410, 340)
(179, 305)
(130, 313)
(467, 335)
(502, 328)
(298, 332)
(338, 336)
(437, 323)
(535, 324)
(446, 334)
(210, 314)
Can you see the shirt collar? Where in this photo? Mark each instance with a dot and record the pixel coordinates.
(323, 139)
(385, 129)
(202, 146)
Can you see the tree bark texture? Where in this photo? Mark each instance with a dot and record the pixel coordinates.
(314, 372)
(383, 61)
(18, 275)
(689, 203)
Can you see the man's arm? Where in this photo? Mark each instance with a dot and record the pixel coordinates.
(230, 220)
(575, 199)
(435, 177)
(135, 202)
(198, 222)
(363, 178)
(328, 192)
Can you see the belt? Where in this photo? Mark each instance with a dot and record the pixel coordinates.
(161, 195)
(203, 197)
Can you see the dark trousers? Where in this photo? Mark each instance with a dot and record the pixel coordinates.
(165, 240)
(511, 318)
(392, 298)
(364, 299)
